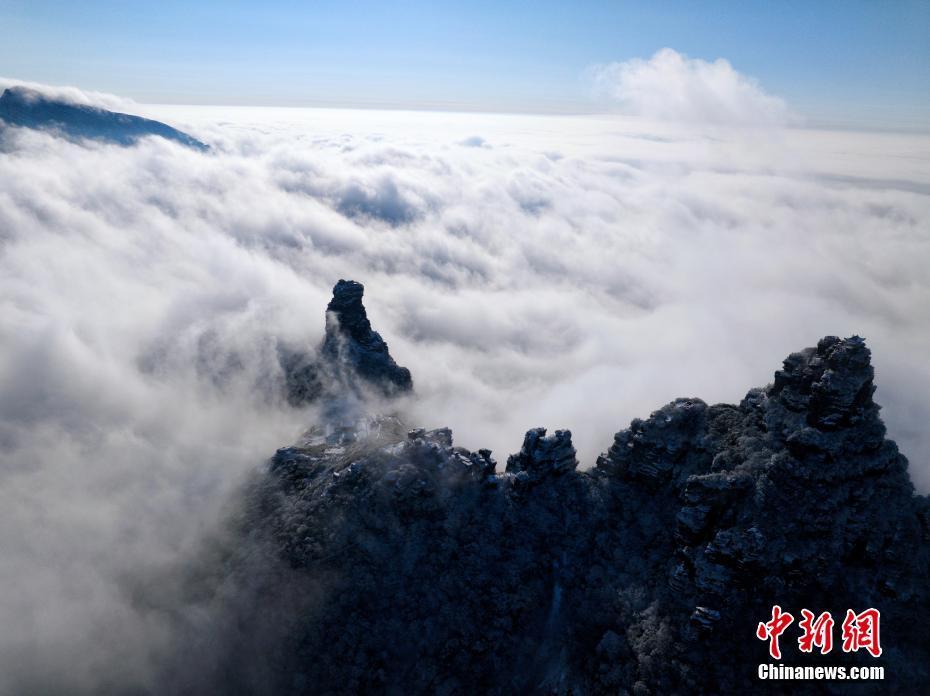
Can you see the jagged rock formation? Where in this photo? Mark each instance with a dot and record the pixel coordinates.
(28, 108)
(396, 562)
(352, 359)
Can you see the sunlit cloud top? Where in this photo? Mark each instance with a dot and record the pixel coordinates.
(673, 87)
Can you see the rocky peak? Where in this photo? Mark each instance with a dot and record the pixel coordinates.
(352, 359)
(350, 315)
(352, 347)
(832, 382)
(542, 455)
(649, 449)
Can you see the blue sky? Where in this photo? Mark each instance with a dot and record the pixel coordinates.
(851, 62)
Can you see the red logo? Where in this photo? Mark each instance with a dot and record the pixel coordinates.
(817, 632)
(771, 630)
(860, 631)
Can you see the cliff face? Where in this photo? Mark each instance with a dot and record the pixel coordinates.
(20, 106)
(422, 568)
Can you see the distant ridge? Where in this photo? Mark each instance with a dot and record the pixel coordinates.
(28, 108)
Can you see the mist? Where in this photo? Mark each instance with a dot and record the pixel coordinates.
(565, 271)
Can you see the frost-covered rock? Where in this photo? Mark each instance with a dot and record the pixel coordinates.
(397, 562)
(352, 359)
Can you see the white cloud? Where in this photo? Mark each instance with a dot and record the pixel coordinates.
(671, 86)
(582, 272)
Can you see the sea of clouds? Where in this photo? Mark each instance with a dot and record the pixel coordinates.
(567, 271)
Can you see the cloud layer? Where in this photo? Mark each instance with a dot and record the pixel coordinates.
(571, 272)
(672, 87)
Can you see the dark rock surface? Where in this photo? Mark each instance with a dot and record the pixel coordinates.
(24, 107)
(395, 562)
(352, 359)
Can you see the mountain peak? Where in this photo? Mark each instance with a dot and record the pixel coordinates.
(29, 108)
(832, 382)
(347, 306)
(352, 357)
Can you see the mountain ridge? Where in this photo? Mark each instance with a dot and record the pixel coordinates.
(396, 562)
